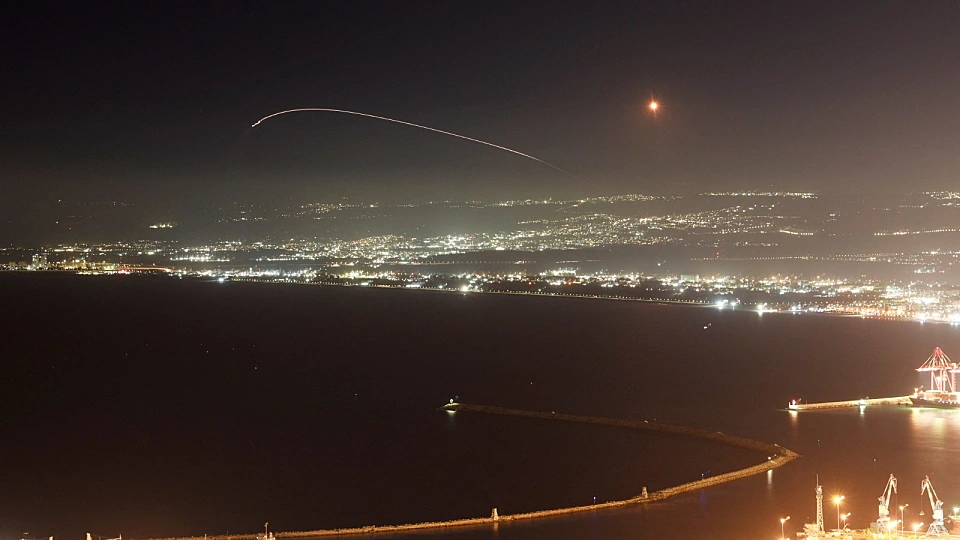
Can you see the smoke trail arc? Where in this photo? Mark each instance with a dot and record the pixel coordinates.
(411, 124)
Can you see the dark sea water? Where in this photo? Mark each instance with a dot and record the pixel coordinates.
(161, 407)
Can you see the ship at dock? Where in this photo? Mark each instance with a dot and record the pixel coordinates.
(942, 393)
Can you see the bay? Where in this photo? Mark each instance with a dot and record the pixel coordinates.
(164, 407)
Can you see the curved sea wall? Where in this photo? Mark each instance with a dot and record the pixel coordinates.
(774, 456)
(718, 436)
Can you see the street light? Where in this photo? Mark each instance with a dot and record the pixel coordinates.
(838, 500)
(782, 521)
(902, 506)
(844, 518)
(916, 527)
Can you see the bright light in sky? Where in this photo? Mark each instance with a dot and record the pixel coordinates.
(654, 106)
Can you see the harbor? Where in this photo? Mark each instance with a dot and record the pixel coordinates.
(774, 456)
(886, 525)
(852, 451)
(942, 392)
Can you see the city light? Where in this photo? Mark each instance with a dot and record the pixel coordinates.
(748, 217)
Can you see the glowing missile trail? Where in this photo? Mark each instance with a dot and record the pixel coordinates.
(512, 151)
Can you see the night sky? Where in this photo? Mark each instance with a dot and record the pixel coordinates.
(153, 101)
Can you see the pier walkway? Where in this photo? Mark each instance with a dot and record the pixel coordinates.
(900, 400)
(773, 456)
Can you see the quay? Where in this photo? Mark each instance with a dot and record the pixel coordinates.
(899, 400)
(861, 534)
(774, 456)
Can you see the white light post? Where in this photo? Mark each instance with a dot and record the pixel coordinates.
(901, 517)
(838, 500)
(782, 521)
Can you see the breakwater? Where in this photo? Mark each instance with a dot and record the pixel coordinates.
(899, 400)
(774, 456)
(718, 436)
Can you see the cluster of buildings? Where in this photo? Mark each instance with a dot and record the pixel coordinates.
(747, 227)
(869, 298)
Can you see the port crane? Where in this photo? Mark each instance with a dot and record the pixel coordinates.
(942, 372)
(884, 511)
(936, 527)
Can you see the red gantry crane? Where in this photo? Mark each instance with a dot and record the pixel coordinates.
(942, 372)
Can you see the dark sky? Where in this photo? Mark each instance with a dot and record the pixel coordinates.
(153, 101)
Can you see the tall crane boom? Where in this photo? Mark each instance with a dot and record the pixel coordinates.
(936, 527)
(884, 499)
